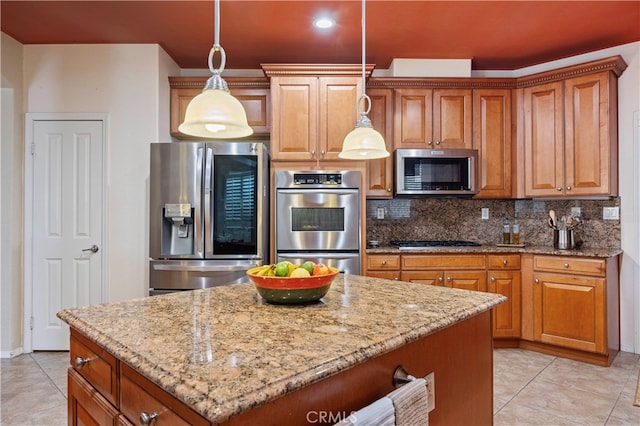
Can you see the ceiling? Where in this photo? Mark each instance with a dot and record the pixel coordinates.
(496, 35)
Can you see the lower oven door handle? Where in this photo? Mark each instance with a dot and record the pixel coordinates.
(202, 268)
(328, 255)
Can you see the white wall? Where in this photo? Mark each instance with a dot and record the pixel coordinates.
(11, 154)
(128, 82)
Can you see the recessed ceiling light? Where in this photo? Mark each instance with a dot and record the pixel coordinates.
(324, 23)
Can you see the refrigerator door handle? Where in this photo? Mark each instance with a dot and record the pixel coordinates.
(198, 206)
(206, 201)
(202, 268)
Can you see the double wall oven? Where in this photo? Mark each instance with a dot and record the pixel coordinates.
(317, 218)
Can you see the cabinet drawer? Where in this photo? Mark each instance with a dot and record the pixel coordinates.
(503, 261)
(96, 365)
(444, 261)
(138, 395)
(387, 275)
(85, 405)
(572, 265)
(378, 262)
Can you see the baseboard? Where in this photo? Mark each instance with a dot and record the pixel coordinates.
(11, 354)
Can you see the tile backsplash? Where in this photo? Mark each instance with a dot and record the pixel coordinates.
(460, 219)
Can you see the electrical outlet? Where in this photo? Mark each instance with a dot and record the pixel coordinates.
(485, 213)
(431, 391)
(576, 212)
(611, 213)
(380, 213)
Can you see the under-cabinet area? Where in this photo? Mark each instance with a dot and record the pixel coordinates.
(557, 303)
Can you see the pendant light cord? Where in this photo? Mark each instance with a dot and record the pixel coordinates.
(216, 43)
(364, 97)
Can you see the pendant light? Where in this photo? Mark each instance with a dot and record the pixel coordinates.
(363, 142)
(215, 113)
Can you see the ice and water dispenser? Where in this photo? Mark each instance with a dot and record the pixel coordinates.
(177, 229)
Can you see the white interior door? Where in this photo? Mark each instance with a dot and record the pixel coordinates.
(66, 225)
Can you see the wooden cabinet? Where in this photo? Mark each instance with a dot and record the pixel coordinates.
(380, 171)
(575, 306)
(104, 391)
(253, 93)
(385, 266)
(570, 140)
(432, 118)
(463, 271)
(314, 108)
(503, 277)
(492, 133)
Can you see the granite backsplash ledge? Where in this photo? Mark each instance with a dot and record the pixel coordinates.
(460, 219)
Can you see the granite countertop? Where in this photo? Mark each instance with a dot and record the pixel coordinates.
(223, 350)
(602, 252)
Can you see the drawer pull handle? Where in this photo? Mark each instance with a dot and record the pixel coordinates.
(566, 265)
(504, 262)
(81, 361)
(148, 418)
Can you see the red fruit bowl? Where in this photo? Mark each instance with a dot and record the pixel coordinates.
(292, 290)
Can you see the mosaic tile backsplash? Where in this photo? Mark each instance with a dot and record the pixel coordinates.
(460, 219)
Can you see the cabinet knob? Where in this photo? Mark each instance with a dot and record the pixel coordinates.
(437, 142)
(537, 281)
(148, 418)
(429, 143)
(493, 278)
(322, 153)
(388, 189)
(504, 262)
(313, 152)
(568, 187)
(559, 188)
(440, 279)
(448, 278)
(566, 265)
(79, 362)
(384, 262)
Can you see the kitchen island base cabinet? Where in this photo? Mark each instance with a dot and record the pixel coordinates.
(460, 356)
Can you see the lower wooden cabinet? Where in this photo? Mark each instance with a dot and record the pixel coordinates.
(86, 406)
(386, 266)
(104, 391)
(465, 272)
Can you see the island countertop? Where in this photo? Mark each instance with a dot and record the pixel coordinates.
(222, 351)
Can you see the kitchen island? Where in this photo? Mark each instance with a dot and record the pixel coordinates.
(223, 356)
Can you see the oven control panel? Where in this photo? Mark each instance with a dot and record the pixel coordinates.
(317, 178)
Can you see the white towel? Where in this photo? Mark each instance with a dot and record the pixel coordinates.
(378, 413)
(410, 403)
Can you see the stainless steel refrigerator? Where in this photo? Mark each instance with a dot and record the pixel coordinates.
(209, 213)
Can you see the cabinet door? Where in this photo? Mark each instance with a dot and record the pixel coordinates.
(256, 103)
(569, 311)
(543, 140)
(380, 171)
(337, 113)
(587, 141)
(294, 130)
(423, 277)
(85, 405)
(413, 118)
(466, 280)
(506, 317)
(452, 118)
(492, 139)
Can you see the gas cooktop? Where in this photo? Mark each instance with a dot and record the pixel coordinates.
(413, 244)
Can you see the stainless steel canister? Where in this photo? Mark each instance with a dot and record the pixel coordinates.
(563, 239)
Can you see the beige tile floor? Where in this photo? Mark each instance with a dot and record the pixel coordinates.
(529, 389)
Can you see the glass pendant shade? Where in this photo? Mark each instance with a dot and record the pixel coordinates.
(214, 113)
(363, 142)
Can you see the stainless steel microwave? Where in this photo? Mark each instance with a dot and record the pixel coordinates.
(436, 172)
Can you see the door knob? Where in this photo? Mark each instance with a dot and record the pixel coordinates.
(93, 249)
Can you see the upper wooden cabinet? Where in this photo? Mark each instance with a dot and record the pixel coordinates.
(253, 93)
(380, 171)
(492, 138)
(314, 108)
(432, 118)
(570, 131)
